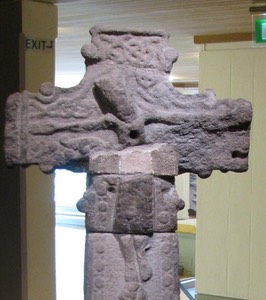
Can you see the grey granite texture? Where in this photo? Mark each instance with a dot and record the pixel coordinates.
(149, 264)
(125, 100)
(139, 204)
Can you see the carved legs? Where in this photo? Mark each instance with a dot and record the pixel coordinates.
(128, 266)
(131, 244)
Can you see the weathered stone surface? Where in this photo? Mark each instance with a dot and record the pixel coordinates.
(123, 266)
(126, 99)
(125, 117)
(140, 204)
(157, 159)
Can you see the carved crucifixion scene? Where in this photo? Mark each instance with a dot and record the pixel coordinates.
(132, 132)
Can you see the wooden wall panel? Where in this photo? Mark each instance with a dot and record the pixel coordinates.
(212, 207)
(258, 214)
(231, 243)
(240, 188)
(212, 238)
(217, 75)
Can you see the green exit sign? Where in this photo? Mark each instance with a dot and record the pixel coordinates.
(260, 31)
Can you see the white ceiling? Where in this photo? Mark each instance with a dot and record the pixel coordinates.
(183, 19)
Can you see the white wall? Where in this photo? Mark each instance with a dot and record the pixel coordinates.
(231, 208)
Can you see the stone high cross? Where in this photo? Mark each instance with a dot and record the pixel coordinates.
(132, 132)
